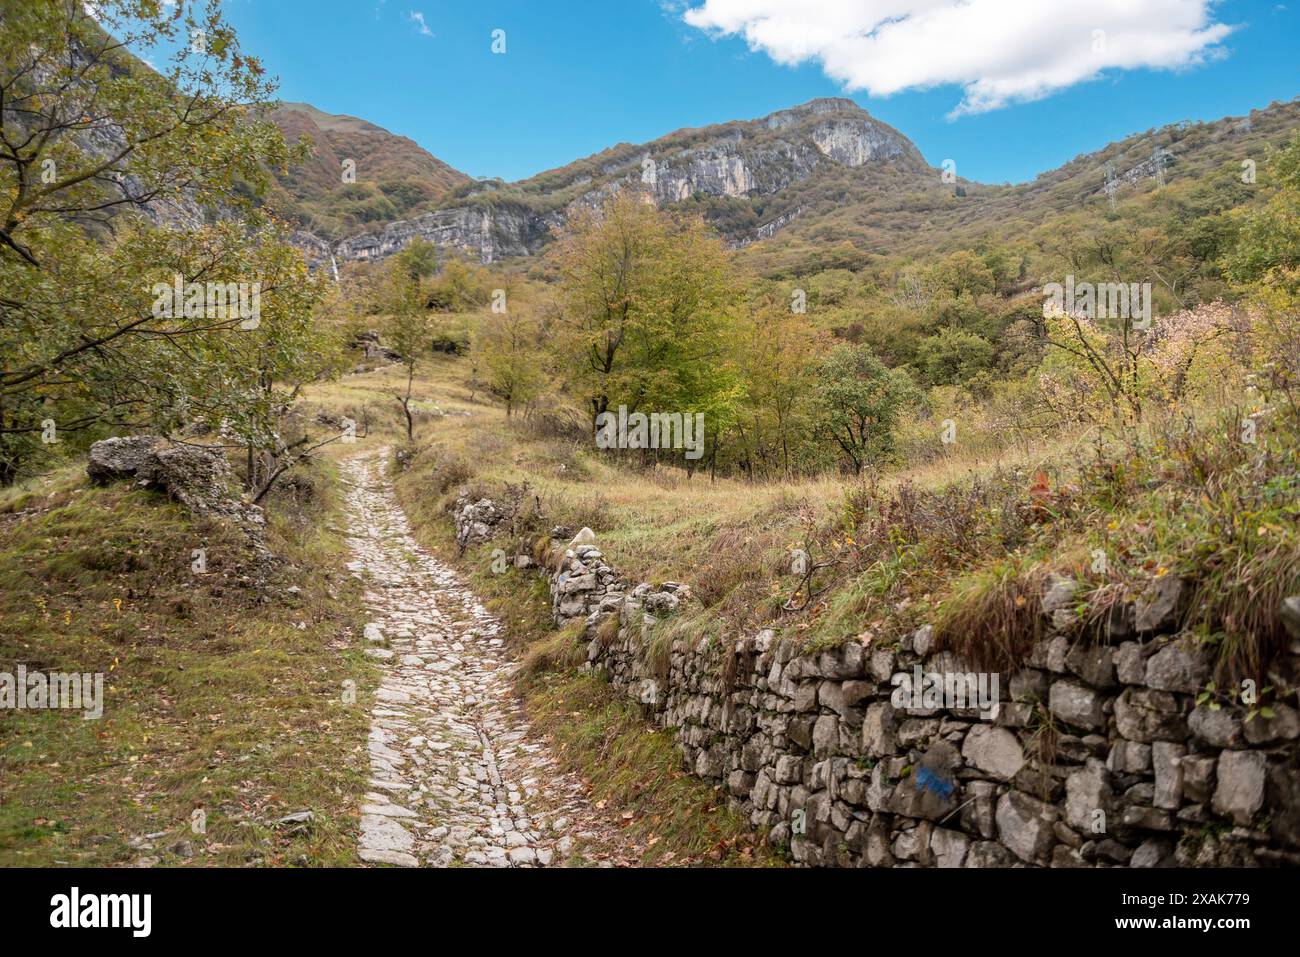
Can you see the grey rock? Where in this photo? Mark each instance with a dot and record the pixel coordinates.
(1147, 819)
(1058, 593)
(1283, 798)
(1167, 759)
(1283, 726)
(198, 478)
(788, 770)
(1093, 663)
(1181, 665)
(1113, 851)
(1152, 852)
(923, 640)
(1025, 826)
(1290, 614)
(1065, 856)
(949, 847)
(1145, 715)
(989, 854)
(1198, 777)
(826, 735)
(1056, 650)
(662, 604)
(878, 730)
(1076, 704)
(1087, 791)
(993, 750)
(1158, 607)
(1240, 791)
(1129, 757)
(119, 458)
(1130, 663)
(1029, 684)
(1219, 728)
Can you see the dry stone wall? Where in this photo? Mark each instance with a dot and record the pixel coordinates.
(1090, 755)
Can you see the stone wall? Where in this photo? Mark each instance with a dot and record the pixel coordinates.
(1098, 754)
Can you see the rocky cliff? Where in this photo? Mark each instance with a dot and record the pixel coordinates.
(746, 160)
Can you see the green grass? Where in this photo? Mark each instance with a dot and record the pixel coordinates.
(213, 700)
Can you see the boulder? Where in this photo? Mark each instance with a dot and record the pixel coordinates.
(116, 459)
(196, 477)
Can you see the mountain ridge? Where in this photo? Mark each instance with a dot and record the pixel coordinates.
(797, 170)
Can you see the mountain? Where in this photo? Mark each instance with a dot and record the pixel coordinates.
(394, 177)
(816, 185)
(739, 174)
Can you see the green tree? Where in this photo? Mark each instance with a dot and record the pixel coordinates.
(94, 146)
(859, 401)
(954, 357)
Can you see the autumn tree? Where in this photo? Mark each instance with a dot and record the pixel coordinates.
(645, 311)
(508, 348)
(777, 354)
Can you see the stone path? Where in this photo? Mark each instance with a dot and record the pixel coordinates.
(454, 776)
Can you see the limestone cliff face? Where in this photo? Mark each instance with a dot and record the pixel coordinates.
(750, 159)
(486, 232)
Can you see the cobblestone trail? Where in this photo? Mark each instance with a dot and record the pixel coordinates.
(454, 775)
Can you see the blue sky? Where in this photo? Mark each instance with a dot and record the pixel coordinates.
(580, 75)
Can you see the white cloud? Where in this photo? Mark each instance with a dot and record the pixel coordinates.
(418, 19)
(998, 51)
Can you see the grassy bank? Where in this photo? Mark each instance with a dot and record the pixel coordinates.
(216, 700)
